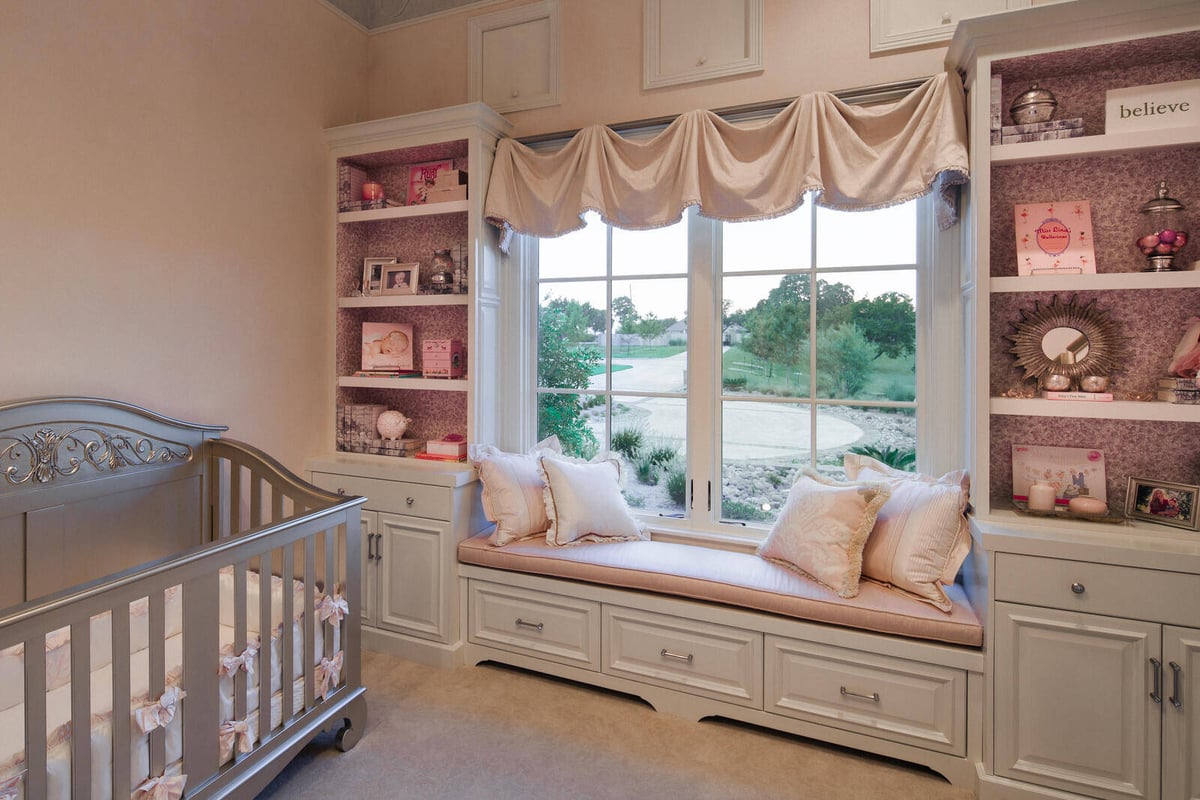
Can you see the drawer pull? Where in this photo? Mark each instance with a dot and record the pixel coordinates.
(1156, 693)
(1176, 697)
(537, 626)
(665, 653)
(1078, 588)
(873, 696)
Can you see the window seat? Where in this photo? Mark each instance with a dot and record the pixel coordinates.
(737, 579)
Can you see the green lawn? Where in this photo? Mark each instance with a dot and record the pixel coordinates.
(890, 378)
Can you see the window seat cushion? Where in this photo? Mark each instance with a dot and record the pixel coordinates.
(736, 579)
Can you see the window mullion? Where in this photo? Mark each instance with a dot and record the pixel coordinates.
(703, 366)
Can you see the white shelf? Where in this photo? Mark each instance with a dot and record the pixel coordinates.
(425, 384)
(1187, 279)
(1085, 146)
(398, 300)
(404, 212)
(1092, 409)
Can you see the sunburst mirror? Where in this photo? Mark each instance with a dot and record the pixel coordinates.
(1066, 338)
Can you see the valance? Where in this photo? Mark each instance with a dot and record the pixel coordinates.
(855, 157)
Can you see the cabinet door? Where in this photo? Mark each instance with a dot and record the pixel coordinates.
(1073, 706)
(370, 528)
(410, 576)
(1181, 720)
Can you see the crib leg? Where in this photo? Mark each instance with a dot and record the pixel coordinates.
(353, 724)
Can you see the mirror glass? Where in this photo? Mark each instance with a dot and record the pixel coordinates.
(1065, 345)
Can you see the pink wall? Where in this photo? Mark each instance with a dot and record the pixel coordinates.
(808, 46)
(164, 216)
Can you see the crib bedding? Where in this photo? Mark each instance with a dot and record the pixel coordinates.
(239, 735)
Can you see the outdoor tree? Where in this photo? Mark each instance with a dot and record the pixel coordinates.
(778, 335)
(624, 311)
(563, 365)
(844, 358)
(889, 322)
(651, 327)
(580, 321)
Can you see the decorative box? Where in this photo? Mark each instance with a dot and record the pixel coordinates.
(442, 358)
(447, 450)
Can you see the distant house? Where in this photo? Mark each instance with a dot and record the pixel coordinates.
(677, 331)
(733, 334)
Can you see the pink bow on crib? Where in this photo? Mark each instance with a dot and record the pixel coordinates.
(159, 714)
(327, 673)
(166, 787)
(245, 660)
(10, 788)
(333, 608)
(238, 731)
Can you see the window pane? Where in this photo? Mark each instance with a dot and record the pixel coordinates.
(889, 435)
(650, 344)
(779, 243)
(654, 252)
(571, 319)
(570, 418)
(867, 238)
(763, 448)
(650, 434)
(582, 254)
(765, 335)
(867, 336)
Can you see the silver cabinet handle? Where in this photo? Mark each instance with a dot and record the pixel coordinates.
(1078, 588)
(378, 546)
(409, 501)
(873, 696)
(341, 491)
(370, 542)
(1156, 694)
(665, 653)
(537, 626)
(1176, 697)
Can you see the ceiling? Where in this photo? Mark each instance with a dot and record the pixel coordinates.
(375, 14)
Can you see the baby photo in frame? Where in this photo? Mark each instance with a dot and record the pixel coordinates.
(1163, 503)
(400, 278)
(372, 280)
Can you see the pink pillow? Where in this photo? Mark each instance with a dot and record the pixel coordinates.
(512, 490)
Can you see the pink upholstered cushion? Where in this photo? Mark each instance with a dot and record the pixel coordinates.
(737, 579)
(921, 535)
(822, 529)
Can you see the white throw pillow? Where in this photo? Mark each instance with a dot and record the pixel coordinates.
(584, 503)
(822, 529)
(512, 490)
(921, 535)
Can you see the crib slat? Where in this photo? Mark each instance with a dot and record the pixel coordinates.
(286, 634)
(276, 503)
(35, 716)
(331, 584)
(120, 694)
(264, 650)
(256, 501)
(239, 635)
(81, 710)
(235, 499)
(310, 628)
(201, 716)
(157, 647)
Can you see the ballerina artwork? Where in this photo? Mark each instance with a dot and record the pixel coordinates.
(1185, 363)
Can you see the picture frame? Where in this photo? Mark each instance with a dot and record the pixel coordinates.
(372, 280)
(1163, 503)
(387, 346)
(400, 278)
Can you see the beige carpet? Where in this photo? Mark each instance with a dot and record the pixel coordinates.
(498, 733)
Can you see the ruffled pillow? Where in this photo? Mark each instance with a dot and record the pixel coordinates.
(822, 529)
(921, 536)
(512, 490)
(584, 503)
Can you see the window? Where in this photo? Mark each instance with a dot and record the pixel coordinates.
(700, 354)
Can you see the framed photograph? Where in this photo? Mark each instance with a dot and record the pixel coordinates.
(400, 278)
(372, 281)
(1165, 503)
(387, 346)
(422, 178)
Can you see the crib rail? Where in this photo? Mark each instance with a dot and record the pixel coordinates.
(267, 525)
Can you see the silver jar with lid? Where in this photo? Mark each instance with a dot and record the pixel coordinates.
(1035, 105)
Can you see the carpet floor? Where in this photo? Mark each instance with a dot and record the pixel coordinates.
(500, 733)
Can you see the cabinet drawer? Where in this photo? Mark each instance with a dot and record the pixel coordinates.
(548, 626)
(904, 701)
(400, 497)
(701, 658)
(1116, 591)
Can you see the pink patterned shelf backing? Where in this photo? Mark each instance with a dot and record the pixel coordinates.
(407, 240)
(1079, 78)
(1163, 451)
(1152, 319)
(376, 163)
(1117, 186)
(432, 414)
(429, 322)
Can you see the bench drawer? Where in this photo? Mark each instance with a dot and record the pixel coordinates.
(697, 657)
(399, 497)
(1107, 589)
(904, 701)
(549, 626)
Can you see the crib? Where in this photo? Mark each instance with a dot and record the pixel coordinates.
(178, 610)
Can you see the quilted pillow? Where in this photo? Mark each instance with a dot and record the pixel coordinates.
(585, 504)
(512, 490)
(822, 529)
(921, 536)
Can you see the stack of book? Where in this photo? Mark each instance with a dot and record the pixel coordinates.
(1042, 131)
(1178, 390)
(350, 180)
(388, 373)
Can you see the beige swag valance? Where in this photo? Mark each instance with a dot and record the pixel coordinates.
(855, 157)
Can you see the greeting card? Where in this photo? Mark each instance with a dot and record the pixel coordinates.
(1055, 238)
(1072, 471)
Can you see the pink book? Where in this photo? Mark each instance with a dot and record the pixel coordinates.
(1055, 238)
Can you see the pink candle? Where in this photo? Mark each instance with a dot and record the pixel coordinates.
(372, 191)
